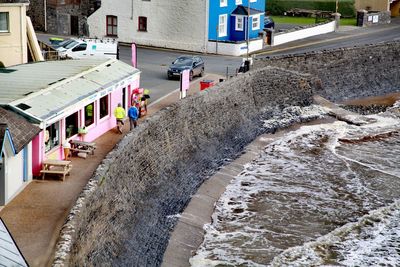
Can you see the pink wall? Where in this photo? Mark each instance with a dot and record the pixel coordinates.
(98, 128)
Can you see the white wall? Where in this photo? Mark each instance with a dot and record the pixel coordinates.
(304, 33)
(234, 49)
(14, 173)
(172, 24)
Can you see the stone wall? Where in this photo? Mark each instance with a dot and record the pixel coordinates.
(152, 173)
(370, 18)
(36, 13)
(347, 73)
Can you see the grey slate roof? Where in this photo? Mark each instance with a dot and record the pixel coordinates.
(242, 10)
(22, 131)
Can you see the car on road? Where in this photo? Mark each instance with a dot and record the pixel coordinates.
(194, 63)
(269, 23)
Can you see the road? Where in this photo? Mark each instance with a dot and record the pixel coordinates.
(345, 37)
(153, 64)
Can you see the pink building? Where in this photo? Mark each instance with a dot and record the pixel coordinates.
(63, 97)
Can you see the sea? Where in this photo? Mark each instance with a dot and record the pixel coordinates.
(326, 194)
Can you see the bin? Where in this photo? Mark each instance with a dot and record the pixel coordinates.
(204, 84)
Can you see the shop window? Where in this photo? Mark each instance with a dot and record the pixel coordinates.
(89, 118)
(71, 125)
(104, 109)
(112, 25)
(52, 136)
(142, 25)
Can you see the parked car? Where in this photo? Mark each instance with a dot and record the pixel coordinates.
(269, 23)
(194, 63)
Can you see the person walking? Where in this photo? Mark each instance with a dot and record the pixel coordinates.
(119, 114)
(133, 114)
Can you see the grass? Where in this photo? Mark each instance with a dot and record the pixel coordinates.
(308, 21)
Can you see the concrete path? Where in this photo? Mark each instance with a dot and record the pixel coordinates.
(36, 215)
(188, 234)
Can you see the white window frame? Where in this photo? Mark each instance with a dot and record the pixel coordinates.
(239, 26)
(224, 25)
(257, 25)
(238, 2)
(223, 3)
(253, 1)
(7, 15)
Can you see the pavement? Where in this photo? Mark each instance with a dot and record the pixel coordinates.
(36, 215)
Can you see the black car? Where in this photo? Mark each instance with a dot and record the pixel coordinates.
(194, 63)
(269, 23)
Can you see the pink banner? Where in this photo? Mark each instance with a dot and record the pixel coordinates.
(134, 60)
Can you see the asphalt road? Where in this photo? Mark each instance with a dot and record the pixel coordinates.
(345, 37)
(154, 63)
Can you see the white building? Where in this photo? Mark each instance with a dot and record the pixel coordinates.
(175, 24)
(16, 135)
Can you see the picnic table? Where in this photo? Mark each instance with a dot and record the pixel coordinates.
(82, 147)
(53, 166)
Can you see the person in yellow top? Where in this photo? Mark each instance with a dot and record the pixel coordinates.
(119, 114)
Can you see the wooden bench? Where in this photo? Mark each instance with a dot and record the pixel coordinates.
(62, 167)
(82, 147)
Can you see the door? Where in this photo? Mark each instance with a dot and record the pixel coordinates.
(2, 180)
(79, 51)
(74, 25)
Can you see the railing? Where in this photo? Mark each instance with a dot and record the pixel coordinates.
(48, 52)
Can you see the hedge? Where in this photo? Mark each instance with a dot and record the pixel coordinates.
(278, 7)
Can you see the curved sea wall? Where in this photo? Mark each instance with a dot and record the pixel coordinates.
(152, 173)
(125, 215)
(347, 73)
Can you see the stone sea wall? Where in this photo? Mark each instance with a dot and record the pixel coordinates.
(347, 73)
(124, 216)
(152, 173)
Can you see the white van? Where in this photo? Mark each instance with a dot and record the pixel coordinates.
(89, 48)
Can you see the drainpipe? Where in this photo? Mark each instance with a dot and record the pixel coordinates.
(248, 27)
(45, 14)
(131, 9)
(207, 15)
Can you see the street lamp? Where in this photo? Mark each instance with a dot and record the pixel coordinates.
(337, 6)
(248, 27)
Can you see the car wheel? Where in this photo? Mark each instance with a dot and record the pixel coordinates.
(169, 77)
(191, 76)
(201, 72)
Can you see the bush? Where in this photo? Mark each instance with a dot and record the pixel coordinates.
(278, 7)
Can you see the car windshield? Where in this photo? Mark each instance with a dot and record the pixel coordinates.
(65, 43)
(183, 61)
(71, 44)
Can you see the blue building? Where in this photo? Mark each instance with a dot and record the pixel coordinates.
(235, 20)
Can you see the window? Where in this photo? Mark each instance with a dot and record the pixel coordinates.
(81, 47)
(104, 109)
(239, 23)
(112, 25)
(51, 136)
(4, 21)
(223, 3)
(253, 1)
(89, 118)
(238, 2)
(142, 24)
(256, 22)
(71, 125)
(222, 25)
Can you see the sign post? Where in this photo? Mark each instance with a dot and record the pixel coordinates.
(134, 55)
(185, 83)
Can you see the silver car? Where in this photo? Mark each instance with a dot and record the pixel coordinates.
(194, 63)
